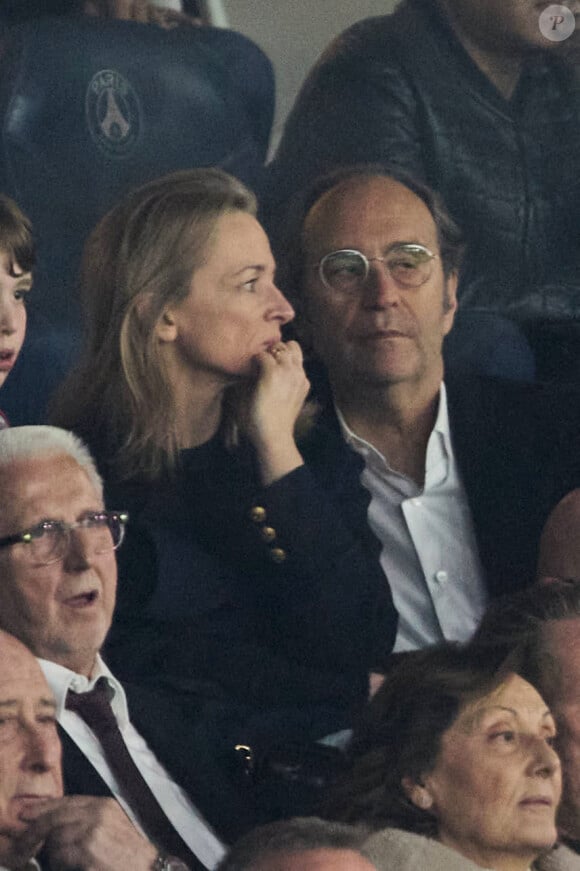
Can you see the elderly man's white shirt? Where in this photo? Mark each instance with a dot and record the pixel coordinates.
(429, 552)
(194, 830)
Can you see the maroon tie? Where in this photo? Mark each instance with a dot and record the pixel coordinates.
(95, 709)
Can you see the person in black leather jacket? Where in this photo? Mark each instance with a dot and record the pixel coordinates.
(468, 96)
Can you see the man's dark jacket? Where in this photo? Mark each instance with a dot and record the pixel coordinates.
(515, 446)
(187, 756)
(402, 89)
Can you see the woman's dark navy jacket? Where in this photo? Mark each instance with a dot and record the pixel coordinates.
(264, 594)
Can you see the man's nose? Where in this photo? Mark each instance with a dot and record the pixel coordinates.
(78, 550)
(41, 750)
(380, 288)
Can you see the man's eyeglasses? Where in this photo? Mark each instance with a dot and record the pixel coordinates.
(410, 265)
(49, 540)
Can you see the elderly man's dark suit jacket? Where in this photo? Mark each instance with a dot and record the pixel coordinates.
(183, 751)
(514, 447)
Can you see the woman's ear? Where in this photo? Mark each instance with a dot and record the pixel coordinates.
(166, 327)
(417, 793)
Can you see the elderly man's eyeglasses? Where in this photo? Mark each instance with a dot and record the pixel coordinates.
(346, 271)
(49, 540)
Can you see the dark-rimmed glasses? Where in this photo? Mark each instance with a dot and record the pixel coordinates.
(410, 265)
(49, 540)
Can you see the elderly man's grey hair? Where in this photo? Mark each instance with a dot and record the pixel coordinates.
(292, 836)
(33, 442)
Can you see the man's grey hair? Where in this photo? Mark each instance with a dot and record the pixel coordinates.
(292, 836)
(33, 442)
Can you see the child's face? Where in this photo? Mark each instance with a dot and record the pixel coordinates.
(13, 291)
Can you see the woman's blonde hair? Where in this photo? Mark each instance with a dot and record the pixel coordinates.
(138, 260)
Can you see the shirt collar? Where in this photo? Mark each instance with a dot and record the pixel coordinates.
(61, 679)
(441, 425)
(442, 421)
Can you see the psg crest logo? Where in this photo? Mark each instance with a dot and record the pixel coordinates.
(112, 112)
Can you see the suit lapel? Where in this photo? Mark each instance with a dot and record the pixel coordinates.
(185, 750)
(500, 433)
(80, 777)
(186, 754)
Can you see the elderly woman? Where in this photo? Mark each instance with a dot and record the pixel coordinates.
(454, 766)
(236, 569)
(16, 262)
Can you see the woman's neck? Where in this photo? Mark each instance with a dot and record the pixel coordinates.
(198, 411)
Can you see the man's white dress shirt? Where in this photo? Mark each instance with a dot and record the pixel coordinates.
(429, 552)
(194, 830)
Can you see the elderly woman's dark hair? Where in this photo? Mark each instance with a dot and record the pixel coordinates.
(289, 246)
(16, 236)
(400, 733)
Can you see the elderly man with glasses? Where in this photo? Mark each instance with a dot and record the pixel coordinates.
(449, 482)
(167, 805)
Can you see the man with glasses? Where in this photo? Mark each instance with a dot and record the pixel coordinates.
(479, 99)
(57, 594)
(449, 482)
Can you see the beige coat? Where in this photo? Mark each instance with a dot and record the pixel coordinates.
(560, 859)
(396, 850)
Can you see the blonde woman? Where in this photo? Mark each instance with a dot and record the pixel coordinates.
(237, 570)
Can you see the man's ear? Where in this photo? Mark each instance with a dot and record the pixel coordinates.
(450, 300)
(166, 327)
(417, 793)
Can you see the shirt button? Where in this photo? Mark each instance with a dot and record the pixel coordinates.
(441, 577)
(268, 533)
(258, 514)
(277, 555)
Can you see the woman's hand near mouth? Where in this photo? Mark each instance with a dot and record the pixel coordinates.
(278, 395)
